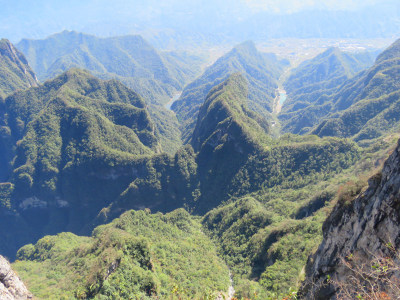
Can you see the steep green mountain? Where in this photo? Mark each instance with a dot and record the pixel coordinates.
(15, 73)
(260, 70)
(137, 256)
(266, 236)
(225, 108)
(322, 75)
(73, 141)
(364, 107)
(232, 156)
(130, 59)
(264, 192)
(262, 200)
(199, 178)
(156, 76)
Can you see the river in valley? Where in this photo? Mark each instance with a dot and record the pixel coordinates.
(173, 99)
(280, 98)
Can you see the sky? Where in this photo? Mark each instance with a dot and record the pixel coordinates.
(41, 18)
(291, 6)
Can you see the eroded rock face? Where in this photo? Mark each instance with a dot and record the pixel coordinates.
(11, 287)
(365, 229)
(8, 50)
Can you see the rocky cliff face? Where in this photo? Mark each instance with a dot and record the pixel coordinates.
(359, 253)
(11, 287)
(15, 73)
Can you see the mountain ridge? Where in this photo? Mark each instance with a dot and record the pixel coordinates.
(129, 58)
(15, 72)
(261, 73)
(369, 94)
(65, 137)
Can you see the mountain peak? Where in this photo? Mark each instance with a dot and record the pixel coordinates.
(224, 116)
(89, 85)
(260, 72)
(238, 83)
(392, 52)
(247, 46)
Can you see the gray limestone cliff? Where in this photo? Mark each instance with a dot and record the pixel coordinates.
(359, 254)
(11, 287)
(15, 72)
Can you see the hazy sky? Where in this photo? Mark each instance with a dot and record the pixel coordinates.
(290, 6)
(40, 18)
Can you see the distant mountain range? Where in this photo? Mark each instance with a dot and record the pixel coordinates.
(323, 74)
(260, 70)
(130, 59)
(154, 75)
(175, 25)
(363, 106)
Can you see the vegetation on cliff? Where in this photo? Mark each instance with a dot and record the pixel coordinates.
(137, 256)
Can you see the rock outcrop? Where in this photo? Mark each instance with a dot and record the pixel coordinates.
(360, 243)
(15, 73)
(11, 287)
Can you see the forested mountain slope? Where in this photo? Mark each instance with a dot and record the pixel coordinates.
(260, 70)
(225, 107)
(322, 75)
(234, 157)
(15, 73)
(137, 256)
(80, 152)
(130, 59)
(364, 107)
(70, 143)
(156, 76)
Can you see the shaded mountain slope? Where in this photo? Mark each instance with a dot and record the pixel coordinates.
(266, 236)
(156, 76)
(264, 248)
(260, 71)
(359, 252)
(15, 73)
(227, 133)
(322, 75)
(225, 107)
(73, 141)
(364, 107)
(233, 156)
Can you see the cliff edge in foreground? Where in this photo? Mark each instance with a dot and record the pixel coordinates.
(11, 287)
(359, 253)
